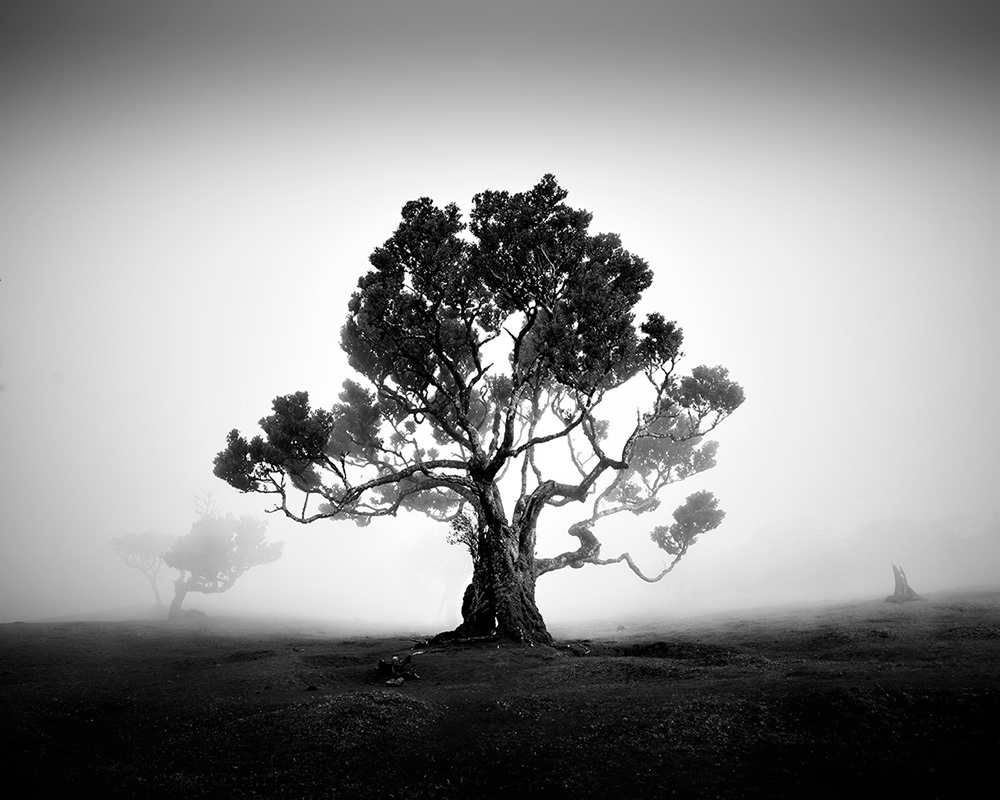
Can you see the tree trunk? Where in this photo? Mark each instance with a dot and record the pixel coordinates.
(180, 592)
(156, 593)
(500, 601)
(903, 591)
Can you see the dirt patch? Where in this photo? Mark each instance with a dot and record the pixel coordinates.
(690, 651)
(250, 655)
(972, 632)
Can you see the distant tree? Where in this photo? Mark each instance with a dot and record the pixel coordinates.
(217, 551)
(144, 552)
(490, 350)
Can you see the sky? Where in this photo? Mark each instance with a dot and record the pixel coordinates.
(189, 192)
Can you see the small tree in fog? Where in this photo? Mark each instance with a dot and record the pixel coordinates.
(489, 351)
(218, 550)
(144, 552)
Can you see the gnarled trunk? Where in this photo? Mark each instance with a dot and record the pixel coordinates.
(180, 592)
(500, 600)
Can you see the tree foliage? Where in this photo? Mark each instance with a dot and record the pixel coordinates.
(488, 350)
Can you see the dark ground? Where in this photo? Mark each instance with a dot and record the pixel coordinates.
(827, 703)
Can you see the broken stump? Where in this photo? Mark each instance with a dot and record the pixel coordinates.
(903, 590)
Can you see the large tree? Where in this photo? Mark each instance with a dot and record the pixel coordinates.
(492, 350)
(216, 552)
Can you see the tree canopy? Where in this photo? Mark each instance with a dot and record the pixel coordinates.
(216, 552)
(487, 351)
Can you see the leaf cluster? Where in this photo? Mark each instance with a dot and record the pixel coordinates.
(219, 549)
(699, 514)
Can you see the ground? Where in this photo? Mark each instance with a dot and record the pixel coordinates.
(819, 703)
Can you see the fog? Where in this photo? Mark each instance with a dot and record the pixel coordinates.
(190, 191)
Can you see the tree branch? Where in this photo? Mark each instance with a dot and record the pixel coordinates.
(632, 565)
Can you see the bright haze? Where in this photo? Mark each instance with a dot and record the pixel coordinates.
(189, 192)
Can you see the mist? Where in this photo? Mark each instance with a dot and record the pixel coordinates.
(191, 191)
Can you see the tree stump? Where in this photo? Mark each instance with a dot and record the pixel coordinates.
(903, 590)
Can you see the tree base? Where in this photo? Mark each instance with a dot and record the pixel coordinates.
(187, 613)
(492, 614)
(457, 638)
(461, 637)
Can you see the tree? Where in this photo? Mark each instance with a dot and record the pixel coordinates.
(488, 350)
(144, 552)
(217, 550)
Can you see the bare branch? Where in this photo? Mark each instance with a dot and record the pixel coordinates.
(632, 565)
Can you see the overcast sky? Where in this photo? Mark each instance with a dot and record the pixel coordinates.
(189, 192)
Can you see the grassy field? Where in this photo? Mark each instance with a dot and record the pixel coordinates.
(822, 702)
